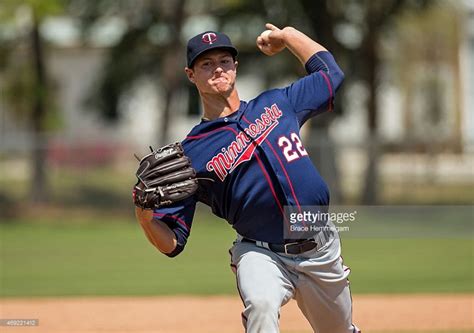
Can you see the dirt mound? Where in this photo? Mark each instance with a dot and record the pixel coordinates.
(221, 314)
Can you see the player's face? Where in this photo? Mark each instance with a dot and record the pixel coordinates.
(214, 72)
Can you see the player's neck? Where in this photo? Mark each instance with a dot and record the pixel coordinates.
(217, 106)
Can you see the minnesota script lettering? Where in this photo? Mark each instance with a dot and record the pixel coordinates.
(243, 146)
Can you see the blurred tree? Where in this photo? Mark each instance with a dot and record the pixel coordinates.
(429, 73)
(150, 48)
(378, 15)
(27, 87)
(378, 24)
(359, 28)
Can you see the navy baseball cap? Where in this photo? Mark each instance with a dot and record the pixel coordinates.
(206, 41)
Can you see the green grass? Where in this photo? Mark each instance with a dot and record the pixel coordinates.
(408, 249)
(112, 257)
(103, 258)
(410, 265)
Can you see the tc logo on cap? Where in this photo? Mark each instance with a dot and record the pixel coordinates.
(209, 38)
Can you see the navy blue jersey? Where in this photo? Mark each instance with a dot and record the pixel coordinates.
(256, 159)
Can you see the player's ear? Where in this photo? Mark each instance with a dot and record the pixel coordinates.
(236, 64)
(189, 74)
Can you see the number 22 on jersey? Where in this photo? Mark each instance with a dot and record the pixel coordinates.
(292, 147)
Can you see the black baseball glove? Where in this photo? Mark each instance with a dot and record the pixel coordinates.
(164, 176)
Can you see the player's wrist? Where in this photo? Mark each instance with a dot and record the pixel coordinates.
(287, 33)
(143, 215)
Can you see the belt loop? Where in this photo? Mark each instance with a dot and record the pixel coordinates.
(262, 244)
(321, 239)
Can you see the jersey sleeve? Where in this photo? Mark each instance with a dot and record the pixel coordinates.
(179, 218)
(314, 93)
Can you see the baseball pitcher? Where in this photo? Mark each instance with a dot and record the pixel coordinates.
(246, 160)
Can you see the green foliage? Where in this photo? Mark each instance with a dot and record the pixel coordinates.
(40, 8)
(21, 90)
(431, 36)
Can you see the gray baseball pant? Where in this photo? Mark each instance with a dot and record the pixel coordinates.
(317, 279)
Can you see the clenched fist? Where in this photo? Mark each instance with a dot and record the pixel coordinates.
(271, 41)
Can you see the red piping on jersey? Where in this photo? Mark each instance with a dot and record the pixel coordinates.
(286, 175)
(177, 219)
(330, 89)
(283, 167)
(270, 184)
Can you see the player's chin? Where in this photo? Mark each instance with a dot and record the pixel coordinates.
(222, 87)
